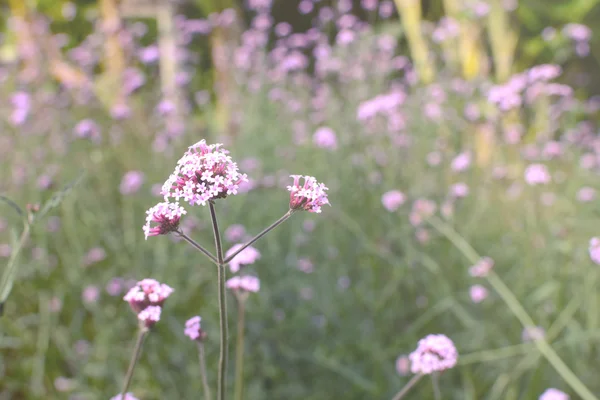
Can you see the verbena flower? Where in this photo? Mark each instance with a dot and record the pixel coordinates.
(392, 200)
(147, 292)
(150, 315)
(482, 268)
(594, 249)
(402, 365)
(247, 256)
(309, 197)
(128, 396)
(166, 215)
(131, 182)
(244, 284)
(433, 353)
(554, 394)
(204, 173)
(537, 174)
(478, 293)
(193, 330)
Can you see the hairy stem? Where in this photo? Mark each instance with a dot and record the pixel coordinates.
(197, 246)
(413, 381)
(263, 233)
(222, 376)
(134, 359)
(203, 374)
(239, 351)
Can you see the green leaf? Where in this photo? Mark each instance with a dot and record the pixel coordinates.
(14, 205)
(59, 196)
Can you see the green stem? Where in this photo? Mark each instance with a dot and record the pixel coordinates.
(134, 358)
(516, 308)
(203, 373)
(239, 351)
(222, 376)
(197, 246)
(263, 233)
(413, 381)
(8, 278)
(437, 395)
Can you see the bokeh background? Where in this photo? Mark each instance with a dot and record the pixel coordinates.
(445, 130)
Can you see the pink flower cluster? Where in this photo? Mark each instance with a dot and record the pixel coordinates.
(482, 268)
(537, 174)
(166, 215)
(146, 299)
(204, 173)
(246, 257)
(554, 394)
(594, 249)
(309, 197)
(193, 330)
(244, 284)
(433, 353)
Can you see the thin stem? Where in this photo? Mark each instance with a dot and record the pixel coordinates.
(239, 351)
(203, 374)
(198, 247)
(413, 381)
(516, 308)
(134, 358)
(223, 343)
(435, 378)
(8, 277)
(263, 233)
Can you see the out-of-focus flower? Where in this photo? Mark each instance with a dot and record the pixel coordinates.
(403, 365)
(147, 292)
(461, 162)
(63, 384)
(149, 54)
(594, 249)
(482, 268)
(478, 293)
(235, 233)
(204, 173)
(244, 284)
(531, 333)
(460, 189)
(193, 330)
(131, 182)
(325, 138)
(433, 353)
(167, 217)
(21, 101)
(577, 32)
(392, 200)
(586, 194)
(90, 294)
(536, 174)
(120, 111)
(421, 209)
(128, 396)
(88, 129)
(310, 197)
(246, 257)
(553, 394)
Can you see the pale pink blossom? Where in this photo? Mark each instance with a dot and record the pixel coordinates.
(433, 353)
(309, 197)
(246, 257)
(478, 293)
(402, 365)
(193, 330)
(128, 396)
(586, 194)
(147, 292)
(392, 200)
(594, 249)
(325, 138)
(244, 283)
(461, 162)
(166, 216)
(482, 268)
(554, 394)
(150, 315)
(536, 174)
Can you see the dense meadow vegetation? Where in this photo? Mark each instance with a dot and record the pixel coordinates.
(462, 191)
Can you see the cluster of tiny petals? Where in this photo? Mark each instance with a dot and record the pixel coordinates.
(433, 353)
(310, 196)
(204, 173)
(193, 330)
(244, 283)
(150, 315)
(166, 216)
(147, 292)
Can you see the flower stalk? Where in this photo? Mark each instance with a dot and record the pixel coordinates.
(239, 351)
(137, 351)
(203, 374)
(413, 381)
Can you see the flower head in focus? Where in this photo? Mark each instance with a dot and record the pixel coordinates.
(247, 256)
(433, 353)
(193, 330)
(166, 215)
(309, 197)
(147, 292)
(204, 173)
(554, 394)
(244, 284)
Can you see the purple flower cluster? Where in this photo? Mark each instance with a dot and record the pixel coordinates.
(244, 283)
(167, 217)
(309, 197)
(433, 353)
(146, 299)
(193, 330)
(204, 173)
(246, 257)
